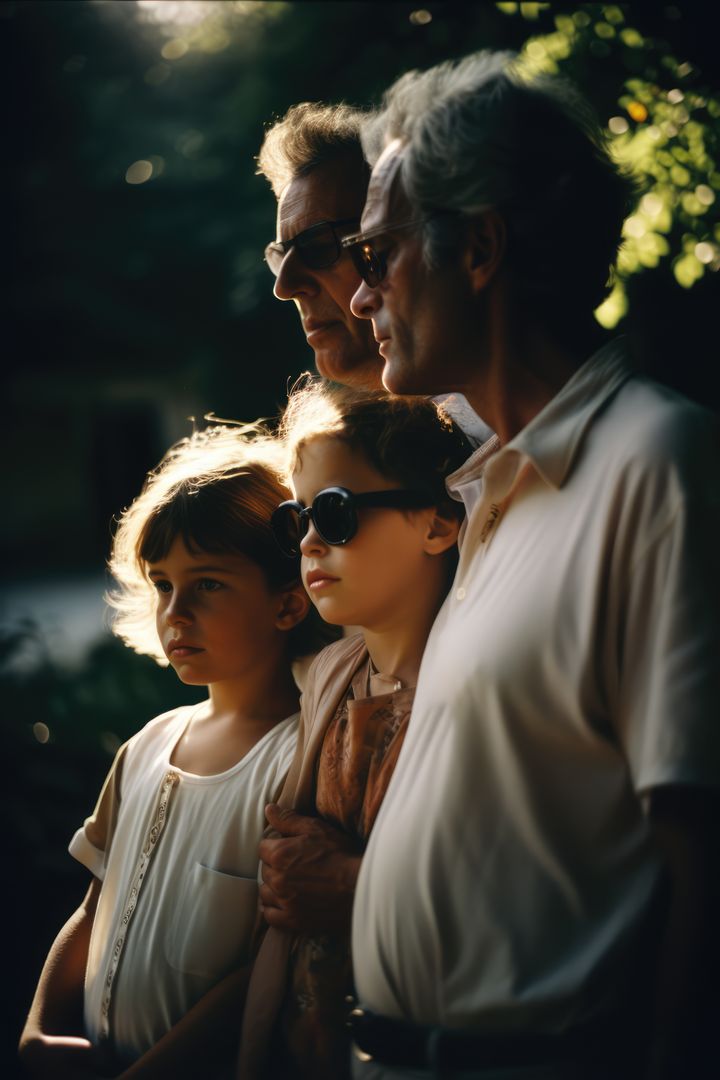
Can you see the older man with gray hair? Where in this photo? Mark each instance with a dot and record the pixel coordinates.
(539, 894)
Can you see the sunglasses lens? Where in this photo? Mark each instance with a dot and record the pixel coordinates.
(367, 263)
(335, 517)
(318, 248)
(287, 530)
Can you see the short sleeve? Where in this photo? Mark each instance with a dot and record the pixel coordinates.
(91, 843)
(670, 684)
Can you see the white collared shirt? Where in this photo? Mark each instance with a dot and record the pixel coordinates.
(573, 667)
(460, 410)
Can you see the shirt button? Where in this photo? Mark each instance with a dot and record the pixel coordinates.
(460, 593)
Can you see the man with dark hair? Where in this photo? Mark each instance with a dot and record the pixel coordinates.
(539, 894)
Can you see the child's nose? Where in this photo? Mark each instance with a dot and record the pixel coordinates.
(178, 611)
(312, 542)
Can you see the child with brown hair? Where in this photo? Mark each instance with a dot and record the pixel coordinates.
(147, 977)
(377, 533)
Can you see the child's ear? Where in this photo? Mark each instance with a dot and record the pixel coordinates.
(294, 606)
(442, 531)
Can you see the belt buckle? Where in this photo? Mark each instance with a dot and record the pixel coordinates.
(355, 1017)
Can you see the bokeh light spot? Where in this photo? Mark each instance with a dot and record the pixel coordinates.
(604, 30)
(214, 39)
(631, 38)
(634, 226)
(680, 175)
(651, 204)
(139, 172)
(182, 12)
(637, 111)
(41, 732)
(421, 17)
(704, 252)
(687, 270)
(613, 308)
(536, 50)
(705, 194)
(175, 49)
(618, 125)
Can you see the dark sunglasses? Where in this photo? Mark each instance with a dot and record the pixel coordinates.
(317, 247)
(334, 513)
(370, 263)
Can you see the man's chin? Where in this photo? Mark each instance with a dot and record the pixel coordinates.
(397, 380)
(363, 373)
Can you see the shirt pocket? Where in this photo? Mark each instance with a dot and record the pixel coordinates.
(211, 927)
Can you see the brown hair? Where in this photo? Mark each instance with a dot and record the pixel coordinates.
(309, 135)
(217, 490)
(408, 439)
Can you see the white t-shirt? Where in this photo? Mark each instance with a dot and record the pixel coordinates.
(177, 857)
(573, 667)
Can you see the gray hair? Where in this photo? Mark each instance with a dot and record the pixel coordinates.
(308, 136)
(480, 134)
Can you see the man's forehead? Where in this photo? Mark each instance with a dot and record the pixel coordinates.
(333, 191)
(385, 195)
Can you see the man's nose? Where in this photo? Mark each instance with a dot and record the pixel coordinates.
(294, 279)
(365, 301)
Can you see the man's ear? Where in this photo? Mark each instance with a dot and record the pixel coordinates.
(442, 531)
(294, 606)
(485, 248)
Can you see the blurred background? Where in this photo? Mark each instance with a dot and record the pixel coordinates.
(137, 299)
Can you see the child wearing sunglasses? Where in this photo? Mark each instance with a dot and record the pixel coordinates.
(377, 534)
(147, 976)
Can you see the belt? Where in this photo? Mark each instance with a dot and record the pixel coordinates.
(420, 1046)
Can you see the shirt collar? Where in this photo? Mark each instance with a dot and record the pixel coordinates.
(552, 439)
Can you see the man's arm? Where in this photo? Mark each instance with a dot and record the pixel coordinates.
(52, 1043)
(684, 823)
(309, 874)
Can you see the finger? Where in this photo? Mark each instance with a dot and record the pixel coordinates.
(267, 850)
(289, 822)
(279, 918)
(268, 897)
(282, 854)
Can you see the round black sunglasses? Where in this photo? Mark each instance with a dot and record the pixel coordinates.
(334, 513)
